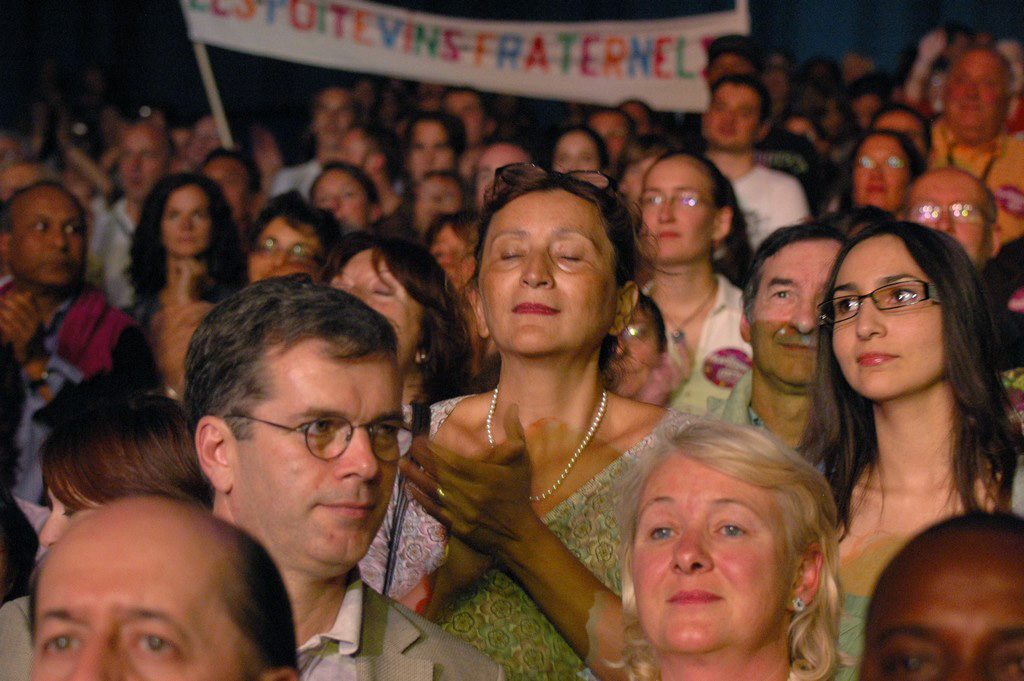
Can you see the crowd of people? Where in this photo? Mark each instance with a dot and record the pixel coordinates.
(637, 396)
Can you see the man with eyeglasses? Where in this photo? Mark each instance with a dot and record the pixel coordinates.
(294, 395)
(956, 202)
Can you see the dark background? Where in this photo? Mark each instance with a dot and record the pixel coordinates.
(144, 46)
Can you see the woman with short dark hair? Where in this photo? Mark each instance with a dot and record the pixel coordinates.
(881, 168)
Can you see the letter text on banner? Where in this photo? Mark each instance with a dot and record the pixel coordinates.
(601, 62)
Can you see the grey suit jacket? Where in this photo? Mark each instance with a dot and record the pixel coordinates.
(15, 641)
(399, 645)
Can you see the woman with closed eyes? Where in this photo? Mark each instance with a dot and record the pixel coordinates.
(521, 476)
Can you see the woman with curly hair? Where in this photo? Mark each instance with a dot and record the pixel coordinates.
(185, 257)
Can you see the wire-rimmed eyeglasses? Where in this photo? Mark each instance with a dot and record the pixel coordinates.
(328, 437)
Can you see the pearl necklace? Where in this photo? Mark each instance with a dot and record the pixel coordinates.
(594, 425)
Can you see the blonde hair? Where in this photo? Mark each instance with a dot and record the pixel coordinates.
(808, 515)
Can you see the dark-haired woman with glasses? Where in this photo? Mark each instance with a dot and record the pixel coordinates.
(290, 237)
(690, 213)
(881, 168)
(522, 475)
(909, 418)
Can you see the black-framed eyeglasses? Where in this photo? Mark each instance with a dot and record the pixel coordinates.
(327, 437)
(889, 297)
(515, 174)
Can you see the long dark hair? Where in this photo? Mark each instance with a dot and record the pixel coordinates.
(840, 431)
(224, 261)
(444, 338)
(915, 163)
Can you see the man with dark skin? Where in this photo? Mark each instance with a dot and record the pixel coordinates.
(950, 605)
(61, 344)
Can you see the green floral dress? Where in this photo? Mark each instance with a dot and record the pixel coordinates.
(499, 618)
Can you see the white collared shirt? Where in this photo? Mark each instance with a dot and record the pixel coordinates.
(111, 245)
(330, 656)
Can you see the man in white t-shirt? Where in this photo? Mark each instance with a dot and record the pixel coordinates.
(145, 158)
(333, 113)
(736, 119)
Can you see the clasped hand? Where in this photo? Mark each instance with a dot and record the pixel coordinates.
(21, 326)
(483, 501)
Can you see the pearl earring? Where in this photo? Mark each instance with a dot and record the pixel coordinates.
(798, 604)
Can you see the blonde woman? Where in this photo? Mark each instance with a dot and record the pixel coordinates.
(730, 560)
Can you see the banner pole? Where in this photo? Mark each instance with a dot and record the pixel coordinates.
(213, 96)
(743, 10)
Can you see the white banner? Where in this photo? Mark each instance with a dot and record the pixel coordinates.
(658, 61)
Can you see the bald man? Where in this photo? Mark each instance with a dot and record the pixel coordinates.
(954, 201)
(950, 605)
(958, 203)
(152, 588)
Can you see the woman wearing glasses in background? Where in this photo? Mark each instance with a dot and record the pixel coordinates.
(881, 168)
(690, 214)
(290, 237)
(908, 418)
(530, 574)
